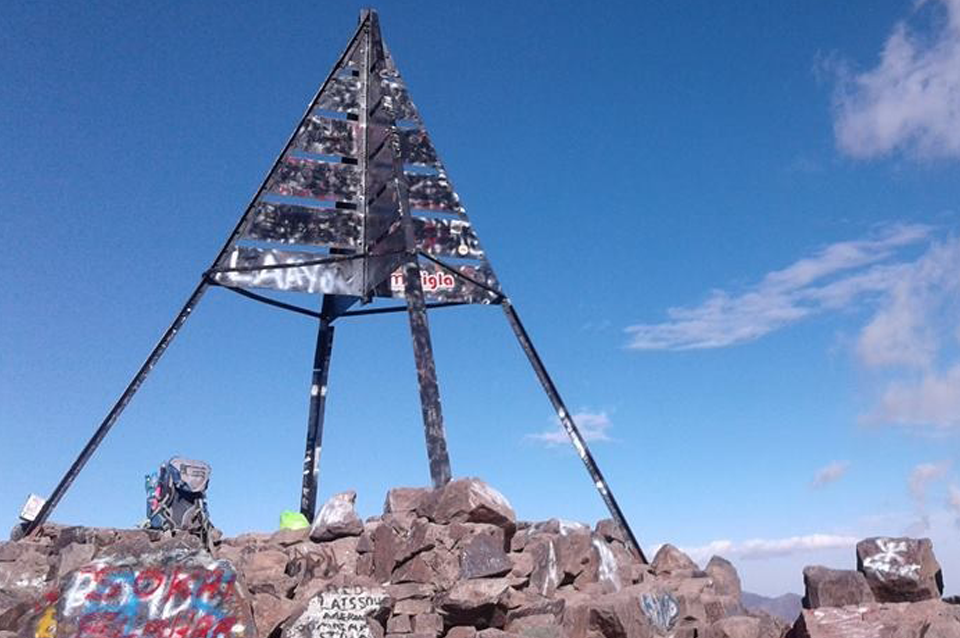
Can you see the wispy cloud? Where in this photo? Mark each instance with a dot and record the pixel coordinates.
(829, 280)
(905, 277)
(920, 478)
(911, 100)
(759, 548)
(830, 473)
(593, 426)
(953, 502)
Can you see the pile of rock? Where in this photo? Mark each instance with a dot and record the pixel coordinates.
(895, 591)
(449, 563)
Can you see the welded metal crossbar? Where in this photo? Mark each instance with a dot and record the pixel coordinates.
(358, 207)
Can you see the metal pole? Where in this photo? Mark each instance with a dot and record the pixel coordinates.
(318, 400)
(426, 376)
(570, 427)
(117, 408)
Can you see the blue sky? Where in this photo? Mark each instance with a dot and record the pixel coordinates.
(732, 231)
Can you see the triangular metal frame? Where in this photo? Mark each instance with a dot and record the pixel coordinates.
(384, 243)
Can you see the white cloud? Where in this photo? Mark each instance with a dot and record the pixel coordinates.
(908, 343)
(830, 473)
(593, 426)
(758, 548)
(911, 100)
(931, 400)
(829, 280)
(953, 502)
(921, 476)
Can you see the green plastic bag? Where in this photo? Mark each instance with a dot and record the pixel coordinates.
(293, 520)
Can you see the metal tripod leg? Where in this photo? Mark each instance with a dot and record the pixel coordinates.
(118, 408)
(318, 400)
(570, 427)
(426, 377)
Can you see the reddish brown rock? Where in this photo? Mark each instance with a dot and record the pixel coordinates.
(415, 570)
(270, 611)
(670, 560)
(900, 569)
(922, 619)
(475, 602)
(834, 587)
(399, 624)
(470, 500)
(385, 547)
(482, 556)
(429, 624)
(337, 518)
(546, 575)
(462, 632)
(724, 575)
(264, 572)
(404, 499)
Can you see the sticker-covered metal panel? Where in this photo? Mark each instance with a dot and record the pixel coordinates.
(319, 180)
(447, 237)
(342, 94)
(432, 192)
(325, 136)
(400, 103)
(416, 148)
(440, 285)
(289, 224)
(339, 278)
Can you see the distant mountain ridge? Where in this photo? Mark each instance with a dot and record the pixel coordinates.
(786, 606)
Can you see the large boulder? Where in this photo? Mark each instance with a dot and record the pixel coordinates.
(900, 569)
(337, 518)
(827, 587)
(353, 609)
(158, 593)
(468, 500)
(670, 560)
(724, 575)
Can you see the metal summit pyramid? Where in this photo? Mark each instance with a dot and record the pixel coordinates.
(358, 207)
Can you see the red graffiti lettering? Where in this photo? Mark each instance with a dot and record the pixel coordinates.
(148, 582)
(224, 627)
(179, 586)
(203, 626)
(212, 585)
(99, 625)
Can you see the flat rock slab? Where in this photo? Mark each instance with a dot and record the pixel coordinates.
(166, 593)
(926, 619)
(827, 587)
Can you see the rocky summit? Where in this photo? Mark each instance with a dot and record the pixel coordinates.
(447, 563)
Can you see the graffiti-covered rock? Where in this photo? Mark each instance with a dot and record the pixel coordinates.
(172, 593)
(921, 619)
(900, 569)
(341, 611)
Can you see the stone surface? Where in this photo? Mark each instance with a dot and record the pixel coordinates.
(404, 499)
(153, 594)
(670, 560)
(337, 518)
(834, 587)
(900, 569)
(482, 556)
(880, 620)
(269, 612)
(726, 581)
(470, 500)
(341, 611)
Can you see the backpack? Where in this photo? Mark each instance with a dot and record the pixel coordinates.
(176, 497)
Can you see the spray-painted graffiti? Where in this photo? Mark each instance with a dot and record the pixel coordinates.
(342, 277)
(891, 562)
(661, 609)
(339, 612)
(318, 180)
(178, 594)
